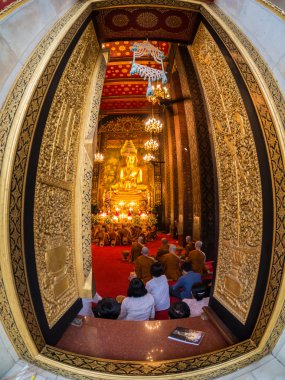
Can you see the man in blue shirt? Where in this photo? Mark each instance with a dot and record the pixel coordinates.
(182, 288)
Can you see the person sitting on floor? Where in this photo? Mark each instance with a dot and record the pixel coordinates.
(86, 310)
(124, 234)
(107, 308)
(153, 233)
(136, 249)
(163, 249)
(171, 264)
(143, 264)
(197, 258)
(114, 237)
(200, 294)
(158, 287)
(178, 310)
(139, 305)
(182, 288)
(190, 246)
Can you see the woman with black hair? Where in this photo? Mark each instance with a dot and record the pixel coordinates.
(200, 294)
(139, 305)
(158, 287)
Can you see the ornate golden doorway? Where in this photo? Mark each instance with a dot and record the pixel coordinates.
(23, 127)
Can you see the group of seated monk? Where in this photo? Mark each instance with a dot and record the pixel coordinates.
(122, 234)
(143, 302)
(149, 291)
(166, 254)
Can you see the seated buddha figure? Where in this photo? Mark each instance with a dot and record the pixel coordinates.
(131, 174)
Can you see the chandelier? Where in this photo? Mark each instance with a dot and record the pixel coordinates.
(151, 145)
(140, 49)
(148, 157)
(153, 125)
(98, 157)
(159, 93)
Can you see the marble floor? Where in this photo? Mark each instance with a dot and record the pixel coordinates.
(138, 340)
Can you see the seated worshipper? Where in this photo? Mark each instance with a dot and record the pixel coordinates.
(139, 305)
(199, 300)
(163, 249)
(124, 234)
(107, 308)
(136, 249)
(153, 233)
(158, 287)
(86, 310)
(197, 259)
(171, 263)
(182, 288)
(143, 264)
(114, 237)
(190, 245)
(178, 310)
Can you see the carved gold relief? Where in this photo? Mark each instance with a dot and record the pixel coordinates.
(55, 186)
(240, 200)
(125, 125)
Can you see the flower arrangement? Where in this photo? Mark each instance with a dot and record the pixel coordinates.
(136, 220)
(151, 220)
(108, 219)
(95, 219)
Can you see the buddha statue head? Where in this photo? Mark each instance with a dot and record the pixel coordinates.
(128, 149)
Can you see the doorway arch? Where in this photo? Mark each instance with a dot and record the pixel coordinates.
(30, 341)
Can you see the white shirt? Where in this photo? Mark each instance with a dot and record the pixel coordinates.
(196, 307)
(87, 305)
(159, 289)
(137, 308)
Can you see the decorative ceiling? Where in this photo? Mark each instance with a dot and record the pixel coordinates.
(123, 92)
(140, 23)
(117, 30)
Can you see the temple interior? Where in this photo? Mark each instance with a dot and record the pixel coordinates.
(151, 126)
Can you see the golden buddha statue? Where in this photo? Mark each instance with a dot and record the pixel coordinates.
(131, 178)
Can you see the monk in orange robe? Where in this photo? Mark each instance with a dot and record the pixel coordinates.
(197, 258)
(171, 264)
(143, 264)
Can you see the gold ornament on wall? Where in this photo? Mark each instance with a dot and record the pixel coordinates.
(55, 184)
(239, 184)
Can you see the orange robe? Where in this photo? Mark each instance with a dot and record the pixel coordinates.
(189, 247)
(136, 250)
(142, 267)
(172, 266)
(162, 250)
(197, 260)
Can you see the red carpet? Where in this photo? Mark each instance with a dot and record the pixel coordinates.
(111, 272)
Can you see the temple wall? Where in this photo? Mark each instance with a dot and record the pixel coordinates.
(264, 28)
(7, 353)
(20, 32)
